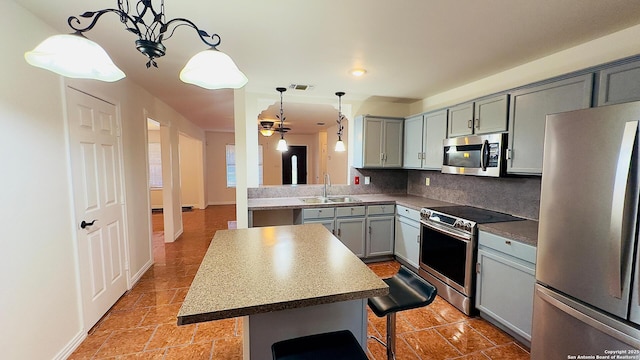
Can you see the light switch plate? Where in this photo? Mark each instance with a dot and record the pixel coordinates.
(367, 180)
(427, 181)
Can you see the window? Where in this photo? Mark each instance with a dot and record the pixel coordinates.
(155, 166)
(231, 164)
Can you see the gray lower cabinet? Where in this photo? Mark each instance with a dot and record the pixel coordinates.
(350, 226)
(324, 216)
(505, 284)
(619, 84)
(407, 239)
(528, 111)
(380, 230)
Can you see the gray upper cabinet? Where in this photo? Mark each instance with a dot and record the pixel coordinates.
(378, 142)
(413, 138)
(528, 110)
(435, 130)
(481, 117)
(491, 115)
(619, 84)
(461, 120)
(423, 135)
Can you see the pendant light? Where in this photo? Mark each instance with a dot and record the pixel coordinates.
(75, 56)
(340, 144)
(282, 143)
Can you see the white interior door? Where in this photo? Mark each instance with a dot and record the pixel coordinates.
(97, 190)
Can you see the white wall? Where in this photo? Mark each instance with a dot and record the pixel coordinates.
(217, 191)
(619, 45)
(191, 172)
(39, 304)
(40, 296)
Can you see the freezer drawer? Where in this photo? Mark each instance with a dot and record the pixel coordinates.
(563, 328)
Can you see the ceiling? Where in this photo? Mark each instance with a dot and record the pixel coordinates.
(411, 49)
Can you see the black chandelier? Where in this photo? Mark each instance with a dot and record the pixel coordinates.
(282, 143)
(150, 25)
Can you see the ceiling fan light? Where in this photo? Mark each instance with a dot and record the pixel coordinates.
(266, 132)
(282, 145)
(213, 69)
(340, 146)
(74, 56)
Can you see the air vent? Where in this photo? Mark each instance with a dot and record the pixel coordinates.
(301, 87)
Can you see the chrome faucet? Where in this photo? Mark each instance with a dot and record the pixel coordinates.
(326, 180)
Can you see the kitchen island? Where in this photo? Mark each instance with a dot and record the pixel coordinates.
(287, 281)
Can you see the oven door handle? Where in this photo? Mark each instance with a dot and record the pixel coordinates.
(458, 235)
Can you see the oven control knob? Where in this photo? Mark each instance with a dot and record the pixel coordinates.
(459, 224)
(467, 226)
(426, 214)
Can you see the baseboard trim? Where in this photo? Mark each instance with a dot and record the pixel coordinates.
(221, 203)
(71, 346)
(136, 277)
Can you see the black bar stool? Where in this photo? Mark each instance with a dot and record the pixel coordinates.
(406, 291)
(337, 345)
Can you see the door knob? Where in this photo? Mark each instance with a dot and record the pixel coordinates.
(84, 224)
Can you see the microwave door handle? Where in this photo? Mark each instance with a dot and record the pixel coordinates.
(484, 157)
(616, 229)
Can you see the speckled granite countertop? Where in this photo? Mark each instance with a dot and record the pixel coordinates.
(525, 231)
(257, 270)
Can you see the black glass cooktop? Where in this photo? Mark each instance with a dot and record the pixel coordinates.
(479, 216)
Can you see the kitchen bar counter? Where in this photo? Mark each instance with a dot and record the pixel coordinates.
(287, 280)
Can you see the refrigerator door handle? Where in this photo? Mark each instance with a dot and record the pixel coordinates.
(627, 338)
(618, 209)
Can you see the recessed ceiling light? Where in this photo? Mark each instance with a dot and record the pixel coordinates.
(358, 72)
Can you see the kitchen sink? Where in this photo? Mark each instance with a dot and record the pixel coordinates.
(328, 200)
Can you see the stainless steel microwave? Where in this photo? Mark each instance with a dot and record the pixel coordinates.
(480, 155)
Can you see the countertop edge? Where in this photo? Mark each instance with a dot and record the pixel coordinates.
(258, 309)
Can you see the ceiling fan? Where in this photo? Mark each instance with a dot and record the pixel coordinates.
(267, 128)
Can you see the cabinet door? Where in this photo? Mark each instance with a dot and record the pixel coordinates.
(392, 139)
(407, 240)
(351, 232)
(413, 130)
(372, 142)
(461, 120)
(435, 130)
(491, 115)
(380, 235)
(505, 292)
(619, 84)
(328, 223)
(528, 111)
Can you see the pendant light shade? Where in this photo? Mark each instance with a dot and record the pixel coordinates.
(340, 146)
(74, 56)
(212, 69)
(282, 145)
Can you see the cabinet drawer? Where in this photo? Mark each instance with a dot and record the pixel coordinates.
(350, 211)
(407, 212)
(513, 248)
(387, 209)
(318, 213)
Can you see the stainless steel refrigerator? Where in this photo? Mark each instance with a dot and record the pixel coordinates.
(587, 292)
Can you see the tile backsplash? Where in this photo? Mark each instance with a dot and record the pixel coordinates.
(519, 196)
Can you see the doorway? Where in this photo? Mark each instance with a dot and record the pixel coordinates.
(294, 165)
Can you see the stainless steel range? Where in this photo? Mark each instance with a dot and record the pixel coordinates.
(448, 248)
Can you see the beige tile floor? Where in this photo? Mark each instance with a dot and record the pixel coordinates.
(142, 324)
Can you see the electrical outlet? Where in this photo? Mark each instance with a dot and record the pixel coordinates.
(427, 181)
(367, 180)
(356, 180)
